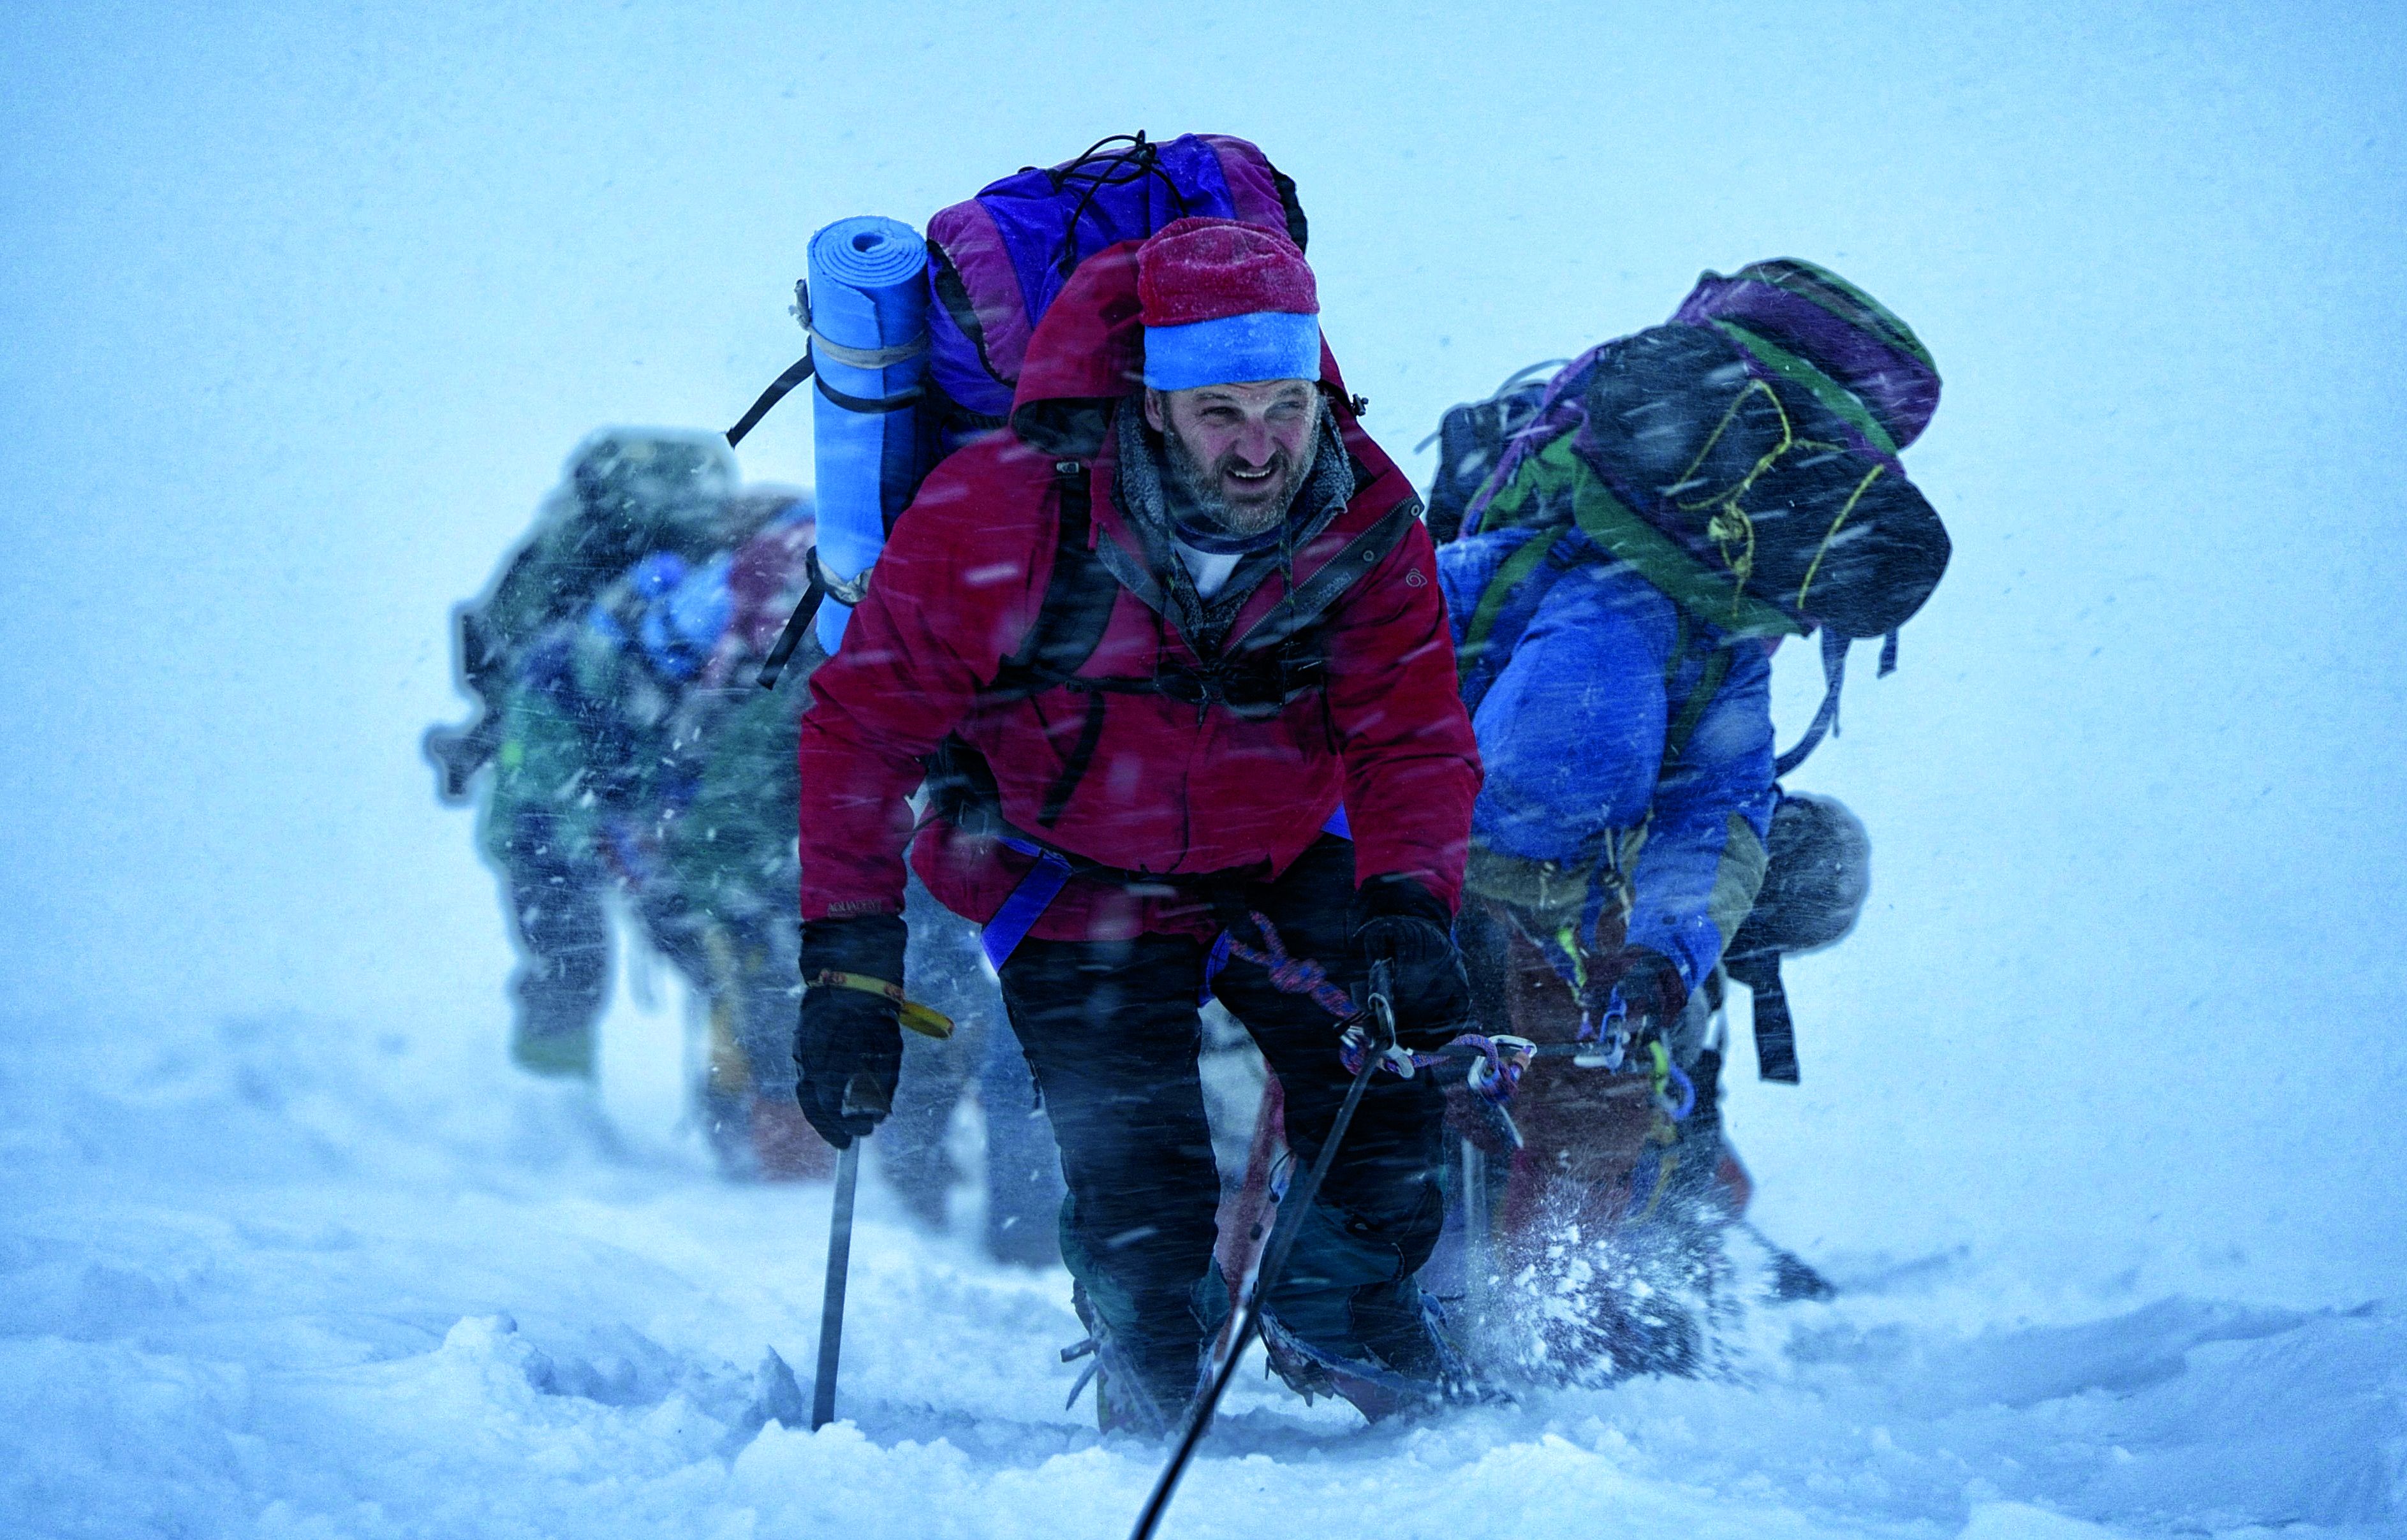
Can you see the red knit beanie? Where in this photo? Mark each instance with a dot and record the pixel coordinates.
(1195, 270)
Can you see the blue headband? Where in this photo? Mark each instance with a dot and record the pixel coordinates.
(1232, 351)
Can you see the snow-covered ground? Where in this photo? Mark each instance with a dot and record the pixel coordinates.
(302, 304)
(283, 1277)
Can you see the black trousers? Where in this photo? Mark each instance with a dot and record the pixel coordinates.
(1113, 1033)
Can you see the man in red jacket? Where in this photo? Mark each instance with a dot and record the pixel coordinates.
(1144, 646)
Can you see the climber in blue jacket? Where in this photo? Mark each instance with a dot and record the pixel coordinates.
(1628, 760)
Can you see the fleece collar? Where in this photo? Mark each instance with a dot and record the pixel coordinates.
(1145, 497)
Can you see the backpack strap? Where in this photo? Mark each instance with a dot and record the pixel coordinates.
(1521, 582)
(779, 387)
(804, 367)
(1479, 631)
(1276, 660)
(1310, 600)
(1701, 695)
(1826, 718)
(1080, 594)
(1775, 1030)
(1660, 559)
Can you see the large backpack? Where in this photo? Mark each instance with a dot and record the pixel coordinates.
(1743, 458)
(625, 494)
(1472, 439)
(996, 262)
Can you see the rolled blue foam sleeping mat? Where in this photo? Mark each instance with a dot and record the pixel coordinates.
(867, 295)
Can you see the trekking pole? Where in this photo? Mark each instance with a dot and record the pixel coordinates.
(1379, 1020)
(1478, 1232)
(862, 1095)
(848, 1174)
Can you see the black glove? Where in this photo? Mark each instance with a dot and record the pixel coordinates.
(848, 1045)
(1402, 924)
(1651, 991)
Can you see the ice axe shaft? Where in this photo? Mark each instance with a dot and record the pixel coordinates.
(1379, 1018)
(848, 1175)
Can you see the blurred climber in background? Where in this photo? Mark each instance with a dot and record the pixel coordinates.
(625, 494)
(600, 657)
(626, 755)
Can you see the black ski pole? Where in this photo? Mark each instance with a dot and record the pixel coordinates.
(1380, 1021)
(848, 1174)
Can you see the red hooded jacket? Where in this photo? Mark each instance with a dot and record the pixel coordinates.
(1171, 789)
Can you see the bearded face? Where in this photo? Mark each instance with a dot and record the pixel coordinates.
(1238, 453)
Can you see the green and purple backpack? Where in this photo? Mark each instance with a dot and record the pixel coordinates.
(1743, 458)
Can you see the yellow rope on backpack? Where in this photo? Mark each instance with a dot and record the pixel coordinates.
(1730, 526)
(1852, 498)
(1788, 441)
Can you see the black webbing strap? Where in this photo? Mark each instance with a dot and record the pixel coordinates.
(868, 407)
(1316, 594)
(1700, 701)
(1701, 695)
(1073, 769)
(1277, 660)
(1826, 719)
(804, 368)
(779, 390)
(799, 622)
(1079, 595)
(1775, 1032)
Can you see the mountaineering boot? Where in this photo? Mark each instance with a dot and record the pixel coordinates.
(1348, 1317)
(1661, 1277)
(1145, 1394)
(1406, 1367)
(553, 1035)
